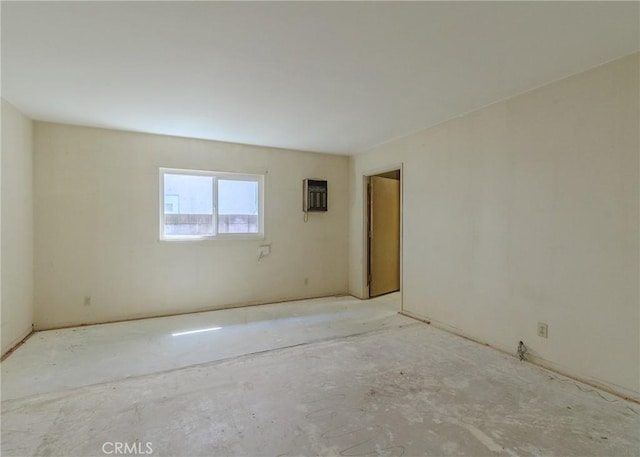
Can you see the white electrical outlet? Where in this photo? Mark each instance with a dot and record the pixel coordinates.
(543, 330)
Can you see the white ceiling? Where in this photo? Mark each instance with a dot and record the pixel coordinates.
(332, 77)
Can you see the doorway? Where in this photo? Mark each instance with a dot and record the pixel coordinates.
(383, 205)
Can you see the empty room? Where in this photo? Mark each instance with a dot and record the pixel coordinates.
(320, 228)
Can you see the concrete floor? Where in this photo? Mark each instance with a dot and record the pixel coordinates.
(321, 377)
(74, 357)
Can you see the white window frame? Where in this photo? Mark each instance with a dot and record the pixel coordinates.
(259, 178)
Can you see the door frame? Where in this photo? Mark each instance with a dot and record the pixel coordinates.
(365, 226)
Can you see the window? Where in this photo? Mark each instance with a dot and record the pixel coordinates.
(210, 204)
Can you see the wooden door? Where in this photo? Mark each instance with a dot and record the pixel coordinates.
(384, 235)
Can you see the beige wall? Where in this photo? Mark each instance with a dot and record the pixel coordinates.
(96, 202)
(16, 226)
(527, 211)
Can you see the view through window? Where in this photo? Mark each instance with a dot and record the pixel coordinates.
(198, 204)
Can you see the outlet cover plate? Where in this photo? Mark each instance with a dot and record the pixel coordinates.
(543, 330)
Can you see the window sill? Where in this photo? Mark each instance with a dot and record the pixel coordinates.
(226, 237)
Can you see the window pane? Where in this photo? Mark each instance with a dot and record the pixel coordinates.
(237, 206)
(188, 205)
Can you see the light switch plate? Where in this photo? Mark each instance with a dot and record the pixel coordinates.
(265, 249)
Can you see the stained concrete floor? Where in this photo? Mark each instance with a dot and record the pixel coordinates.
(74, 357)
(393, 387)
